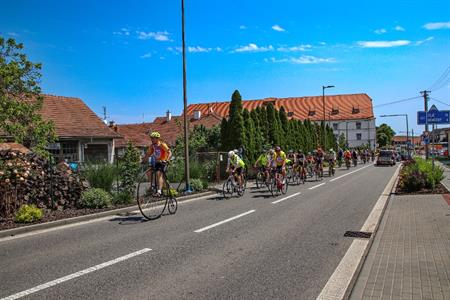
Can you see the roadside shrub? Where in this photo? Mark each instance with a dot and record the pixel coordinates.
(95, 198)
(122, 197)
(432, 175)
(412, 179)
(100, 175)
(129, 170)
(197, 184)
(172, 192)
(28, 214)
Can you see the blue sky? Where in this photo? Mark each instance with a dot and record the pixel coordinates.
(126, 55)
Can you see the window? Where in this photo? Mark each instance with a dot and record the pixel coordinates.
(64, 150)
(335, 126)
(335, 111)
(358, 125)
(96, 152)
(290, 114)
(355, 110)
(311, 113)
(358, 136)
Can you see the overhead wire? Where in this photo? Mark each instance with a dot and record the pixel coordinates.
(441, 80)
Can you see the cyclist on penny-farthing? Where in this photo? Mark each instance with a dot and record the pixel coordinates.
(158, 155)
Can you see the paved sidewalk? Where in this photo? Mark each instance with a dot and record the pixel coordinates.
(410, 255)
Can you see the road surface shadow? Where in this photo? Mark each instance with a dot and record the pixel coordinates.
(129, 220)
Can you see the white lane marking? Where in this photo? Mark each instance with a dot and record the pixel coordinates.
(224, 221)
(75, 275)
(346, 174)
(316, 186)
(285, 198)
(340, 283)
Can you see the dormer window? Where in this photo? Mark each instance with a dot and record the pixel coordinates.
(311, 113)
(335, 111)
(355, 110)
(290, 114)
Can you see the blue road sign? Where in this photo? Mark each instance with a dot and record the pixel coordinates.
(434, 116)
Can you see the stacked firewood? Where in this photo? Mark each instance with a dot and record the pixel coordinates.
(26, 178)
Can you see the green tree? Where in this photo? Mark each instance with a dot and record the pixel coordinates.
(388, 133)
(21, 100)
(342, 142)
(235, 126)
(249, 142)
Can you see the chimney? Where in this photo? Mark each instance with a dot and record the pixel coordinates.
(168, 116)
(111, 124)
(197, 114)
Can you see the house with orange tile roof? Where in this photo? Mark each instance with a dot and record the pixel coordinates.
(81, 134)
(170, 127)
(348, 114)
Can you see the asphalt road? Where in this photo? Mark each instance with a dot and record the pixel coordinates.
(286, 250)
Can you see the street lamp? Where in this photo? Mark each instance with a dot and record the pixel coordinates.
(186, 129)
(407, 127)
(323, 108)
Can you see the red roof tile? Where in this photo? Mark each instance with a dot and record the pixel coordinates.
(402, 139)
(337, 107)
(73, 118)
(169, 130)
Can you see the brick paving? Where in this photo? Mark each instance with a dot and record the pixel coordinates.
(410, 255)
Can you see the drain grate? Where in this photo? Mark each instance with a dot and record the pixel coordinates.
(358, 234)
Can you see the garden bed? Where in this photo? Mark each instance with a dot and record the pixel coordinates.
(55, 215)
(419, 176)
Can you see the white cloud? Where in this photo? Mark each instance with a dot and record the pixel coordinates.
(383, 44)
(399, 28)
(218, 49)
(122, 31)
(294, 48)
(424, 41)
(438, 25)
(197, 49)
(13, 34)
(146, 55)
(380, 31)
(161, 36)
(302, 60)
(278, 28)
(253, 48)
(242, 27)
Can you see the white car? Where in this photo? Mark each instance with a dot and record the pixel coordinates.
(386, 157)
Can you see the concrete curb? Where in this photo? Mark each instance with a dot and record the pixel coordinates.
(372, 238)
(57, 223)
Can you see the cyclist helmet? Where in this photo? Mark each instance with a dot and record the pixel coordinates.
(155, 134)
(291, 151)
(277, 148)
(230, 154)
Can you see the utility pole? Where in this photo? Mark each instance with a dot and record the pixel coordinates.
(425, 98)
(186, 129)
(104, 114)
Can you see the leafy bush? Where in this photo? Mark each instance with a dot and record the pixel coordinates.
(172, 192)
(28, 214)
(100, 175)
(122, 197)
(412, 179)
(202, 170)
(129, 169)
(432, 175)
(95, 198)
(197, 184)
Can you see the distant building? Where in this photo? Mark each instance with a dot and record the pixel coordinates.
(81, 134)
(170, 127)
(400, 141)
(351, 114)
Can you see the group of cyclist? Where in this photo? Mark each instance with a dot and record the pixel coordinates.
(270, 161)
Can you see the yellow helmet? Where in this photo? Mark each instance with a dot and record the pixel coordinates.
(155, 134)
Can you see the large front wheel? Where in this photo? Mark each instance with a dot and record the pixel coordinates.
(150, 204)
(228, 188)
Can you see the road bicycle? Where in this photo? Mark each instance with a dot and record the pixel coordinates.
(151, 204)
(278, 184)
(331, 170)
(261, 180)
(231, 185)
(318, 171)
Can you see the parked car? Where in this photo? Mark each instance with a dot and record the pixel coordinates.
(386, 157)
